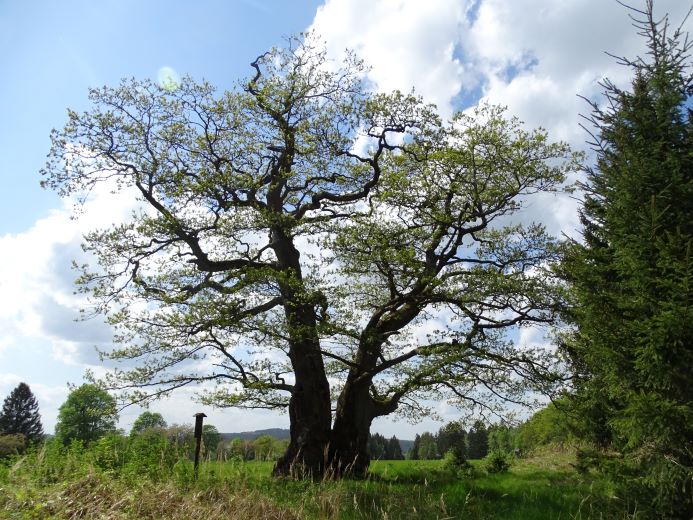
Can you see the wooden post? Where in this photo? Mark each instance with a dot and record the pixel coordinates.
(198, 438)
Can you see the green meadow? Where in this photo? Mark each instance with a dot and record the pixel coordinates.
(69, 483)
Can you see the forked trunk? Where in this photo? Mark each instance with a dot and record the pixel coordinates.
(348, 450)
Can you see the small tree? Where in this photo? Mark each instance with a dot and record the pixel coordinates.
(452, 436)
(88, 413)
(210, 438)
(428, 447)
(413, 453)
(377, 448)
(147, 420)
(12, 444)
(264, 447)
(20, 414)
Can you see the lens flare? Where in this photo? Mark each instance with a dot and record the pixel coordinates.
(168, 78)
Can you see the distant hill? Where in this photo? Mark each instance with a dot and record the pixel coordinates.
(405, 445)
(282, 433)
(277, 433)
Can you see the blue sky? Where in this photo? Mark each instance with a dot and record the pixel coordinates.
(534, 56)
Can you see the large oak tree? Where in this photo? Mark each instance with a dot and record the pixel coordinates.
(304, 243)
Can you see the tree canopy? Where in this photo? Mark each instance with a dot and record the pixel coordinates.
(305, 243)
(148, 420)
(20, 414)
(87, 414)
(631, 277)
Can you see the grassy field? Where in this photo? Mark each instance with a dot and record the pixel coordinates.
(544, 486)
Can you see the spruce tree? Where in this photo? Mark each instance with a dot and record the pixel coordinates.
(394, 449)
(20, 414)
(477, 439)
(632, 276)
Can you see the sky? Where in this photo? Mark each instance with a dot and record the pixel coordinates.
(534, 56)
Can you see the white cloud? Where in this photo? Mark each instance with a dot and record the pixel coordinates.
(407, 43)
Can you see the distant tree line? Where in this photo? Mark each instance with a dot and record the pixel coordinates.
(553, 425)
(384, 449)
(452, 437)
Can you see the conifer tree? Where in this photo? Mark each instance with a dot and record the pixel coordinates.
(478, 441)
(413, 453)
(20, 414)
(631, 278)
(394, 449)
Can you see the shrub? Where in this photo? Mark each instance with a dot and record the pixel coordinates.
(497, 462)
(12, 444)
(454, 459)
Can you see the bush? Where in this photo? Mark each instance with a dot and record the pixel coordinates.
(497, 462)
(454, 459)
(13, 444)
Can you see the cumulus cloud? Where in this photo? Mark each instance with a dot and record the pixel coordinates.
(408, 44)
(36, 278)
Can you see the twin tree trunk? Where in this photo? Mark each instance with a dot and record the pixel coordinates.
(316, 450)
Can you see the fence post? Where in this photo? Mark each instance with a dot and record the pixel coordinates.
(198, 438)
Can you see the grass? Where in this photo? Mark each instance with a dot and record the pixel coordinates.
(545, 486)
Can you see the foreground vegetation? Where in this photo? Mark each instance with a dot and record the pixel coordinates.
(111, 481)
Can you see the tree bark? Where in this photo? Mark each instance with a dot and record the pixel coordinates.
(356, 409)
(309, 414)
(348, 451)
(310, 402)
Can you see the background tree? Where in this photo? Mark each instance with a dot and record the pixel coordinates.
(210, 438)
(12, 444)
(386, 449)
(413, 453)
(377, 446)
(20, 414)
(477, 441)
(242, 449)
(452, 436)
(410, 215)
(147, 420)
(631, 277)
(88, 414)
(263, 447)
(428, 448)
(394, 449)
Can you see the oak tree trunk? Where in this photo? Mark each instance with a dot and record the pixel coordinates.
(348, 451)
(309, 414)
(310, 402)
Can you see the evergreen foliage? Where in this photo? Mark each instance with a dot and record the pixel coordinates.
(382, 448)
(210, 438)
(12, 444)
(88, 414)
(428, 447)
(452, 437)
(413, 453)
(20, 414)
(631, 278)
(477, 441)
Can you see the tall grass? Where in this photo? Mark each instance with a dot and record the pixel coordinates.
(113, 480)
